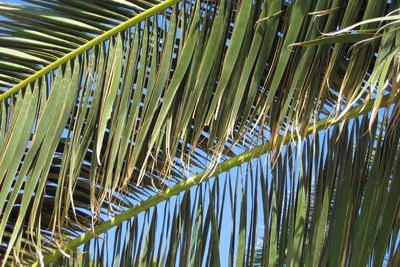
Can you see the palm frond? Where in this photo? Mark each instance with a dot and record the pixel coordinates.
(108, 113)
(295, 196)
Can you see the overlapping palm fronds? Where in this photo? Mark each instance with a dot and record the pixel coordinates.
(107, 111)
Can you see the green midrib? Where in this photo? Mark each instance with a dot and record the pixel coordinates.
(206, 175)
(101, 38)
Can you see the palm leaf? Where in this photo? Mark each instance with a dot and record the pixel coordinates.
(112, 111)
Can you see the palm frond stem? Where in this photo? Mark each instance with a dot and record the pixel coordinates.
(199, 178)
(101, 38)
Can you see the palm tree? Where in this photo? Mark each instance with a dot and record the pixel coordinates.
(246, 132)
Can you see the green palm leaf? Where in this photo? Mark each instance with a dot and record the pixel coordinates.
(113, 108)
